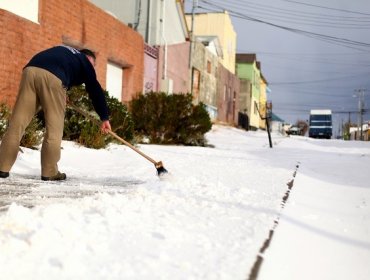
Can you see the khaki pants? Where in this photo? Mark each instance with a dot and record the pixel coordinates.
(38, 89)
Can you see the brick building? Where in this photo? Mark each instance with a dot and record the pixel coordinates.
(76, 23)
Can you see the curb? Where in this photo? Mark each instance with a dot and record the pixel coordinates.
(259, 259)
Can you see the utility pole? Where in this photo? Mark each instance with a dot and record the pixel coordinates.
(360, 95)
(349, 125)
(164, 39)
(267, 117)
(195, 4)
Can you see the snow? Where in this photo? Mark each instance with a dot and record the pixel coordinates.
(208, 219)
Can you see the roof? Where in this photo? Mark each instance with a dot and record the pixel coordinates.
(246, 57)
(208, 13)
(275, 118)
(264, 79)
(207, 40)
(320, 112)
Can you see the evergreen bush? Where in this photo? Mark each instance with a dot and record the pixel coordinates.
(33, 135)
(170, 119)
(4, 118)
(34, 131)
(80, 129)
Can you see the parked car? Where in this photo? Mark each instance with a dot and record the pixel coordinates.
(294, 130)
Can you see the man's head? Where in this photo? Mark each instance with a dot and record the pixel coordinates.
(90, 55)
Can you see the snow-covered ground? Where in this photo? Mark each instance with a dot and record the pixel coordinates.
(220, 214)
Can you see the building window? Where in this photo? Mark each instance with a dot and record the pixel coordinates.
(196, 84)
(255, 108)
(28, 9)
(209, 67)
(114, 80)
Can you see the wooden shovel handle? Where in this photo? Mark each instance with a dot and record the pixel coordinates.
(98, 123)
(131, 146)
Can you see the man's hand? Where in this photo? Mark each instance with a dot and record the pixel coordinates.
(105, 127)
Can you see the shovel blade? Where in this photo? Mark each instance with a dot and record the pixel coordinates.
(161, 171)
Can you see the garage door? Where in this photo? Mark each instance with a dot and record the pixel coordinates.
(114, 80)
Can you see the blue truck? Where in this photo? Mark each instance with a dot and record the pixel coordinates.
(320, 124)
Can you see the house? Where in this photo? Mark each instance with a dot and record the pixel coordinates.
(163, 27)
(277, 124)
(248, 71)
(29, 26)
(228, 89)
(245, 96)
(216, 70)
(204, 60)
(263, 100)
(355, 132)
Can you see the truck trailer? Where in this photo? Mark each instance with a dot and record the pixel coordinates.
(320, 124)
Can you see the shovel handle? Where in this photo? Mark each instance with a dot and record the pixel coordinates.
(98, 123)
(131, 146)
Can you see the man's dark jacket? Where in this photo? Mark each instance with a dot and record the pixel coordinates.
(73, 68)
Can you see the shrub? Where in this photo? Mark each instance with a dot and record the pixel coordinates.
(82, 130)
(33, 135)
(4, 118)
(170, 119)
(34, 131)
(120, 119)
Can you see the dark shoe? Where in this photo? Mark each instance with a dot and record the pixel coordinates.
(4, 174)
(58, 177)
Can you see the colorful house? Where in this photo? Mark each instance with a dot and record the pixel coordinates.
(204, 61)
(248, 69)
(216, 32)
(263, 100)
(277, 124)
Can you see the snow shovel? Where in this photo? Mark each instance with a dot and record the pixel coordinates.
(158, 164)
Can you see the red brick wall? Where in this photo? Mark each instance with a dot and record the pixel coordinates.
(75, 22)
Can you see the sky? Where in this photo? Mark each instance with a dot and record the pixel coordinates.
(208, 219)
(314, 54)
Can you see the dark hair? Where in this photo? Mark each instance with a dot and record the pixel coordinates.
(88, 53)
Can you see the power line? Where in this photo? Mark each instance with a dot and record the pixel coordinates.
(313, 81)
(298, 17)
(329, 39)
(307, 53)
(328, 8)
(312, 60)
(261, 7)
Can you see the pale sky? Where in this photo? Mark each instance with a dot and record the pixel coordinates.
(306, 70)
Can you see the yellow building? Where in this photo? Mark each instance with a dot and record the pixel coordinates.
(220, 25)
(263, 101)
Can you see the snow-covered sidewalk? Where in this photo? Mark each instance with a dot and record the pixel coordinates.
(114, 219)
(324, 231)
